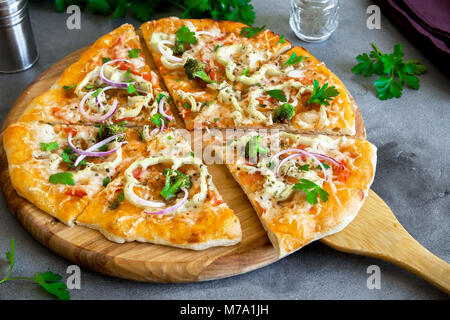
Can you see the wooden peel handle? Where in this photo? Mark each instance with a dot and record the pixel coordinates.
(375, 232)
(412, 256)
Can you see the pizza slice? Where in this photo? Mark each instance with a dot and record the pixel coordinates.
(201, 60)
(298, 93)
(302, 187)
(164, 197)
(59, 168)
(110, 83)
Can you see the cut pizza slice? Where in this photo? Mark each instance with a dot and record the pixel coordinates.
(164, 197)
(302, 187)
(201, 60)
(298, 93)
(110, 83)
(59, 168)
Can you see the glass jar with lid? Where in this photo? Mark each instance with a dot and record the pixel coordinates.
(314, 20)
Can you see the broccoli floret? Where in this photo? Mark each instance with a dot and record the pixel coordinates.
(113, 129)
(175, 180)
(178, 47)
(196, 69)
(253, 149)
(284, 113)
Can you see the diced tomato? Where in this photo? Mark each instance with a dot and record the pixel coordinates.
(342, 172)
(75, 192)
(70, 130)
(215, 201)
(137, 172)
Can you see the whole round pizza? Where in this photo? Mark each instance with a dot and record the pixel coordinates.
(102, 149)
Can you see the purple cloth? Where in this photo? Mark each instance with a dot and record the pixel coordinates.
(426, 22)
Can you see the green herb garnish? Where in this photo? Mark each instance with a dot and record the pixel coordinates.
(253, 148)
(250, 32)
(393, 72)
(175, 180)
(312, 191)
(281, 39)
(321, 95)
(106, 181)
(246, 72)
(294, 59)
(49, 281)
(63, 178)
(277, 94)
(49, 146)
(67, 88)
(134, 53)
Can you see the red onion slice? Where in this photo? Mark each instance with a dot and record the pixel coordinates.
(140, 201)
(97, 100)
(174, 207)
(167, 55)
(104, 117)
(161, 109)
(298, 152)
(89, 151)
(109, 82)
(324, 157)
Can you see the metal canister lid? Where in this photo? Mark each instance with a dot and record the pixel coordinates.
(12, 12)
(9, 7)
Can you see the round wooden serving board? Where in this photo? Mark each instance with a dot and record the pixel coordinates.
(142, 261)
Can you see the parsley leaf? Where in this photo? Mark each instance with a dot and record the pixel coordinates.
(294, 59)
(105, 60)
(277, 94)
(185, 35)
(158, 119)
(250, 32)
(50, 281)
(49, 146)
(63, 178)
(320, 95)
(134, 53)
(312, 191)
(67, 88)
(106, 181)
(281, 39)
(141, 134)
(393, 72)
(70, 157)
(246, 72)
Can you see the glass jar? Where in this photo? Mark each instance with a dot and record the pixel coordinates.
(314, 20)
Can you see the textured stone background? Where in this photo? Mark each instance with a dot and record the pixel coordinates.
(413, 139)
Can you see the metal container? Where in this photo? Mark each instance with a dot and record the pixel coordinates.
(17, 47)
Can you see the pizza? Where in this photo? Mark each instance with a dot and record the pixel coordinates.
(303, 187)
(228, 75)
(98, 148)
(168, 198)
(110, 83)
(48, 166)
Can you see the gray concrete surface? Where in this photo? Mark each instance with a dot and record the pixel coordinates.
(412, 135)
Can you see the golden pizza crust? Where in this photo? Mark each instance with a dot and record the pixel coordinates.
(287, 239)
(57, 105)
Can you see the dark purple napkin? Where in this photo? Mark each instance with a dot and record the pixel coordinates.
(426, 22)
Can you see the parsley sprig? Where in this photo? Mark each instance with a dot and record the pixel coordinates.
(321, 95)
(312, 190)
(294, 59)
(250, 32)
(393, 72)
(49, 281)
(277, 94)
(236, 10)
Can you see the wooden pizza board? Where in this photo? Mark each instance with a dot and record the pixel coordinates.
(143, 261)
